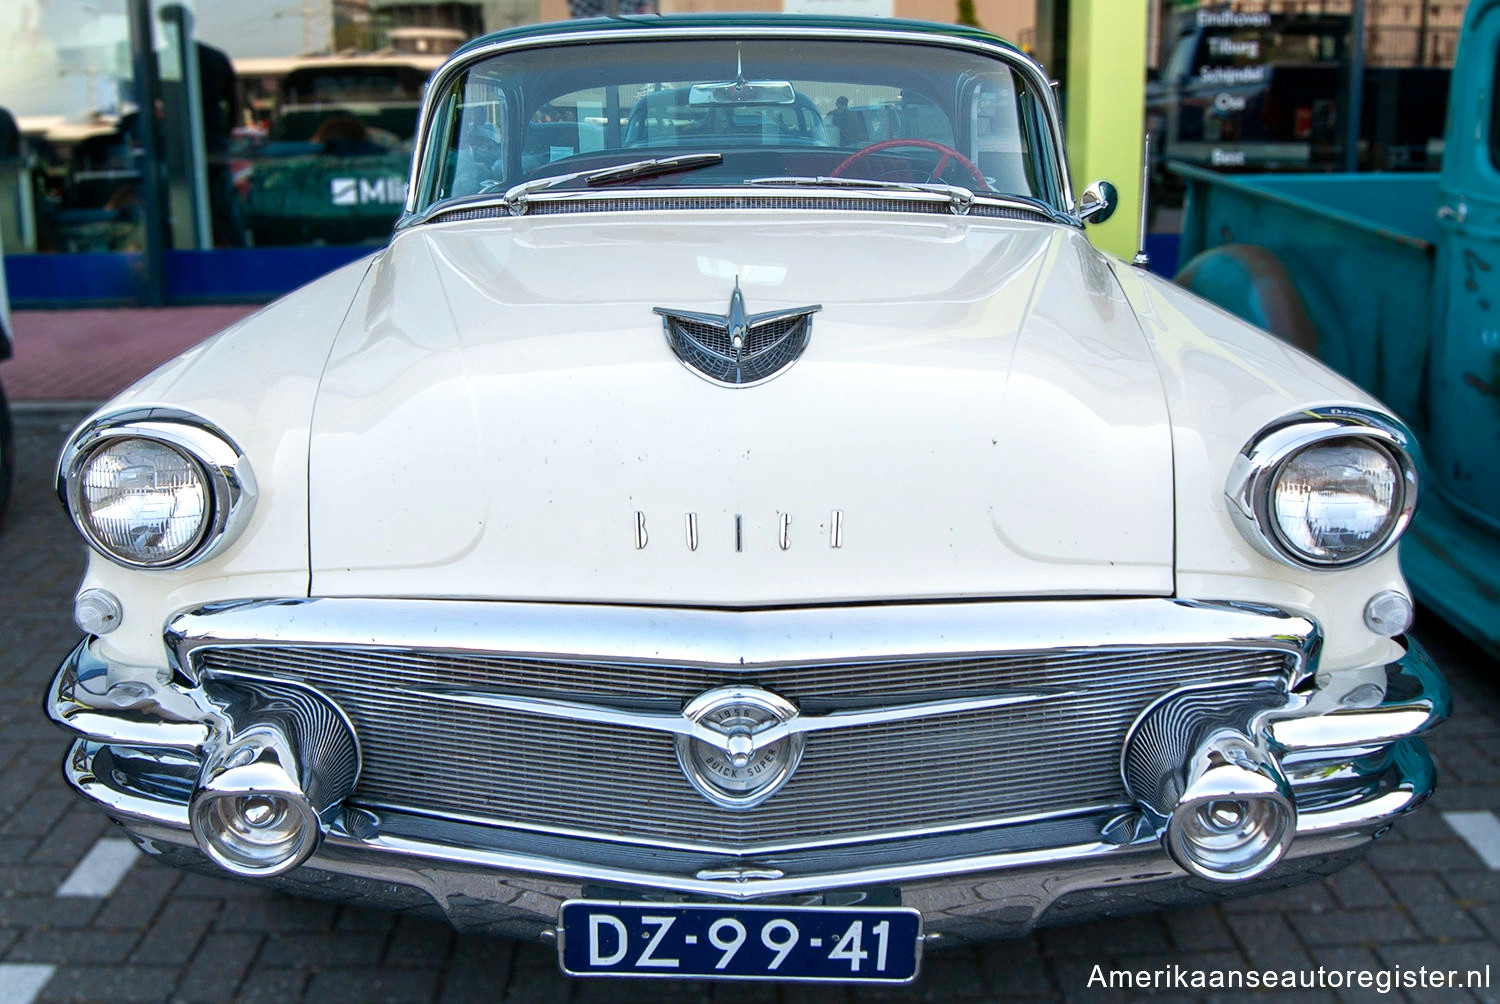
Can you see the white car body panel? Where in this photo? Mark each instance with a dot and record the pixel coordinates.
(977, 399)
(257, 381)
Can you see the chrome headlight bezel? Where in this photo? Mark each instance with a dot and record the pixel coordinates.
(228, 480)
(1257, 467)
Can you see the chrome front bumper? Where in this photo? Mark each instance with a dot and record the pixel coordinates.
(1350, 772)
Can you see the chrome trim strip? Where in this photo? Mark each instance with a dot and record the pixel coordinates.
(735, 639)
(757, 192)
(785, 846)
(1027, 68)
(1252, 475)
(230, 482)
(93, 714)
(1416, 699)
(760, 738)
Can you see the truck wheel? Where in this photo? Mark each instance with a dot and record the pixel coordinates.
(7, 455)
(1253, 283)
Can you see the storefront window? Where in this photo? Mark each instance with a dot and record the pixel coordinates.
(68, 167)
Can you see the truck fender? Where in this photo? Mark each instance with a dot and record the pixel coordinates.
(1253, 283)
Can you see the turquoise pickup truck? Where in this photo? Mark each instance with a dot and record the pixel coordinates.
(1394, 281)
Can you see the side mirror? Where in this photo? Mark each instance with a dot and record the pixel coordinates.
(1098, 203)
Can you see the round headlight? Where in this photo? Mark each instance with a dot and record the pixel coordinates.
(1335, 502)
(1325, 487)
(142, 501)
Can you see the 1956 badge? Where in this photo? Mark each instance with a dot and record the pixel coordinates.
(749, 758)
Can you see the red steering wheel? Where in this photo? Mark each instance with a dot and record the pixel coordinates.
(948, 153)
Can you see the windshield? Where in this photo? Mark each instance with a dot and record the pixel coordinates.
(769, 108)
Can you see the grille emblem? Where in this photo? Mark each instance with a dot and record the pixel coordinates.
(738, 348)
(747, 758)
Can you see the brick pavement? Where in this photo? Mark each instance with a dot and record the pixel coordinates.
(1423, 897)
(88, 355)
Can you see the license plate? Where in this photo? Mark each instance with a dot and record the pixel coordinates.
(690, 941)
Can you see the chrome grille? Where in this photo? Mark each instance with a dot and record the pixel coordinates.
(425, 753)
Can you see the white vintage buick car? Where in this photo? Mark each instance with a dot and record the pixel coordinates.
(739, 527)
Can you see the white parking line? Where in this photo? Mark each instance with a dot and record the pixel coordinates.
(101, 869)
(1481, 831)
(21, 982)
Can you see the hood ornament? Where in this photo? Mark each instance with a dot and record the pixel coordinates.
(738, 347)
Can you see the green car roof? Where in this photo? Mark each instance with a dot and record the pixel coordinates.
(648, 22)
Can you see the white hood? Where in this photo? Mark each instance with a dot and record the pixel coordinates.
(977, 400)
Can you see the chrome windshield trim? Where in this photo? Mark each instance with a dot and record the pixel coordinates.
(1035, 77)
(502, 205)
(743, 639)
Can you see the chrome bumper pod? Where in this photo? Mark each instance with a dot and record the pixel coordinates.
(275, 761)
(1236, 784)
(1224, 808)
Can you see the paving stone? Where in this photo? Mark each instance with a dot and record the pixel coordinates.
(218, 966)
(1080, 980)
(176, 932)
(1357, 887)
(950, 976)
(137, 899)
(1135, 935)
(1198, 929)
(47, 912)
(392, 986)
(351, 918)
(1471, 887)
(419, 943)
(272, 986)
(1341, 966)
(529, 984)
(1458, 957)
(204, 887)
(1388, 858)
(277, 913)
(122, 984)
(1014, 969)
(63, 947)
(475, 968)
(763, 993)
(1310, 897)
(321, 951)
(1355, 927)
(1434, 909)
(1268, 941)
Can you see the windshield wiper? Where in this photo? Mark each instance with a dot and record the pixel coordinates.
(515, 196)
(959, 198)
(651, 168)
